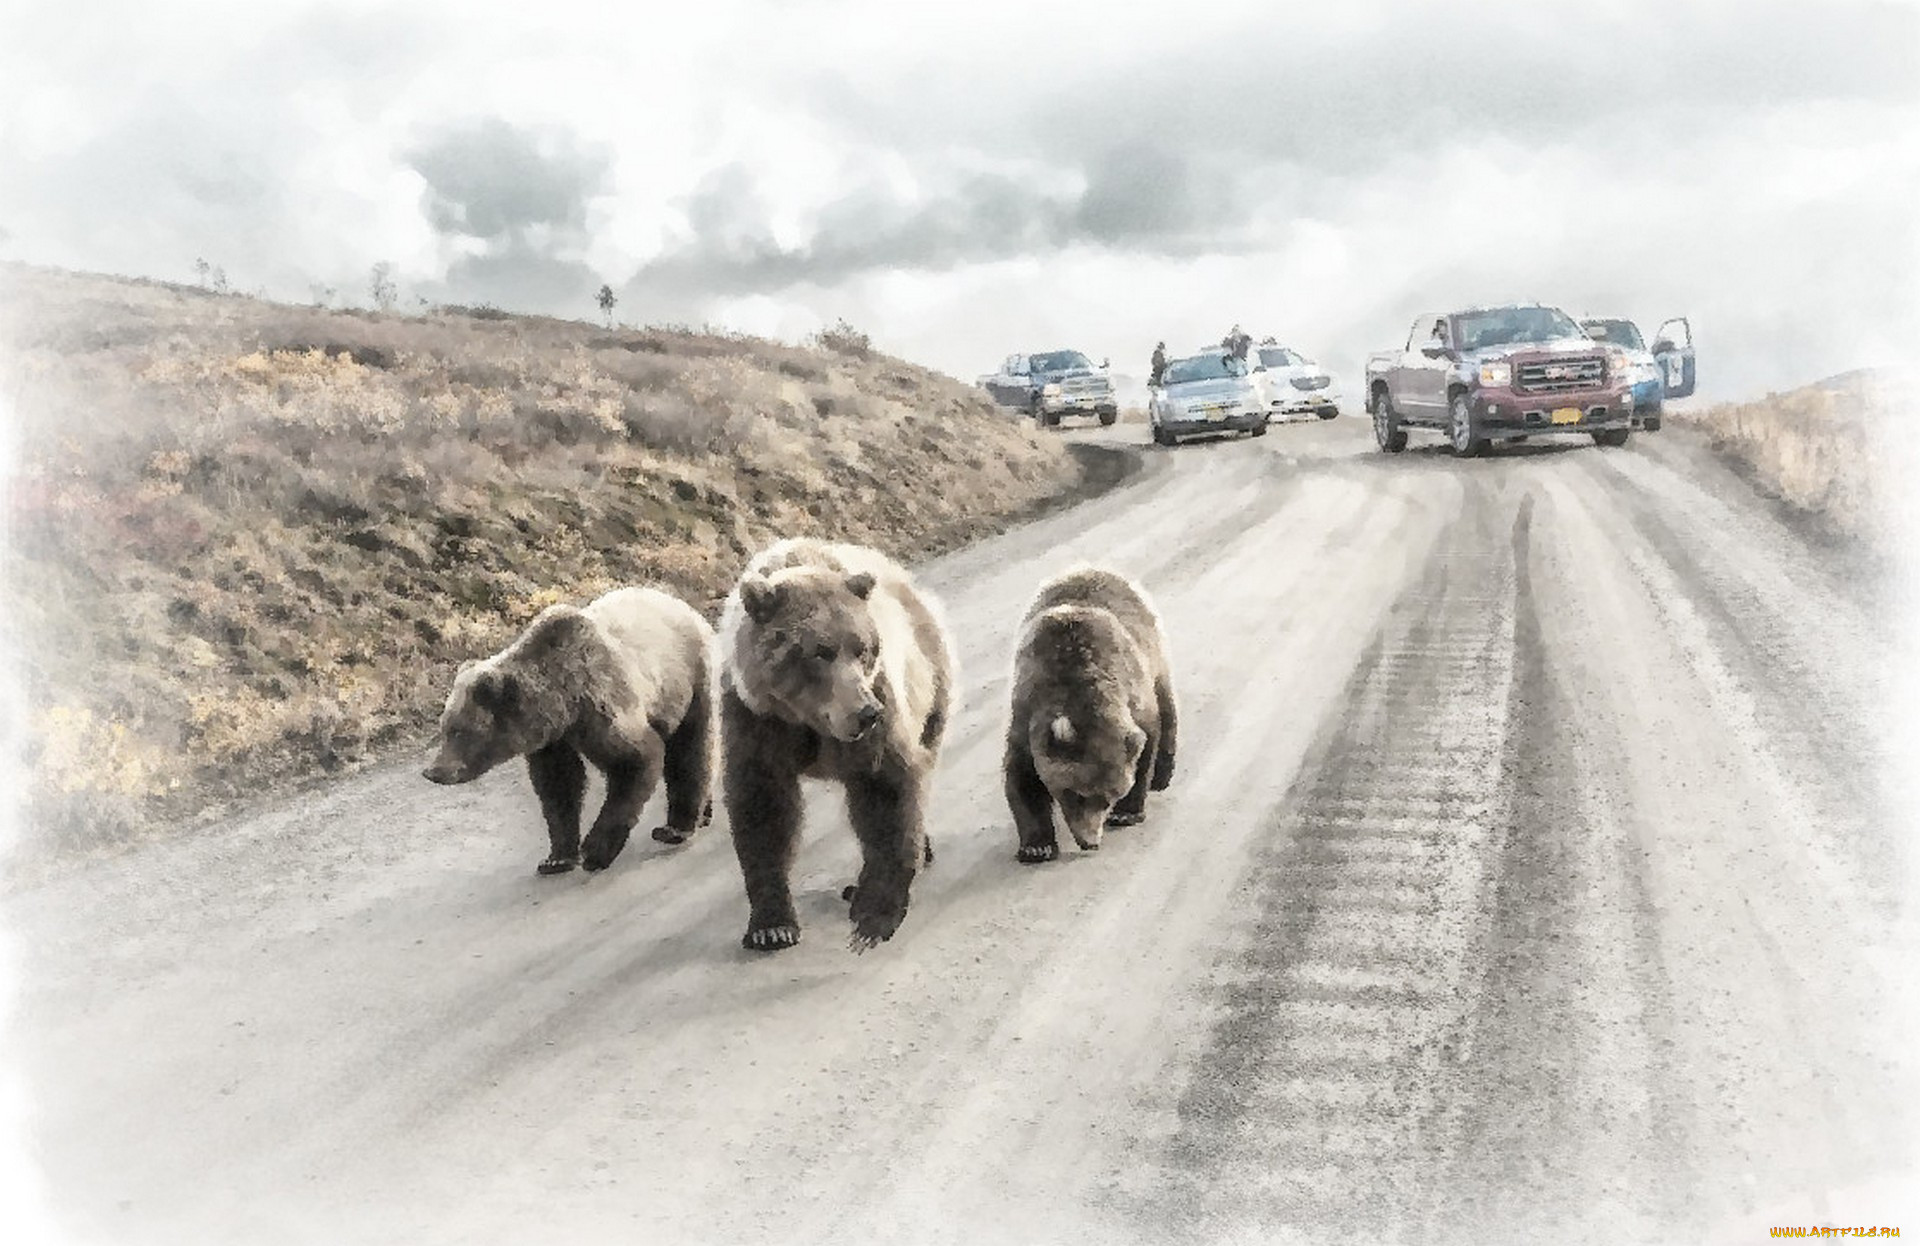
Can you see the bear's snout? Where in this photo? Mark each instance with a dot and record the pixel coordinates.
(441, 772)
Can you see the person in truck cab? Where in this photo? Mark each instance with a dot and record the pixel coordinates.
(1158, 368)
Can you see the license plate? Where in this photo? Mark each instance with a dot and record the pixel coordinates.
(1566, 415)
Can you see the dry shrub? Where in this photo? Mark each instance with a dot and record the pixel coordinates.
(1817, 449)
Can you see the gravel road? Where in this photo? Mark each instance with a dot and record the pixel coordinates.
(1533, 873)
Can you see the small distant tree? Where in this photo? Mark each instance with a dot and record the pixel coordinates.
(322, 293)
(380, 285)
(606, 300)
(202, 271)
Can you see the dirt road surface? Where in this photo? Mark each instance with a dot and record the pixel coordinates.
(1532, 874)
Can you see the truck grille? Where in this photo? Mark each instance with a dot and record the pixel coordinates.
(1084, 387)
(1561, 374)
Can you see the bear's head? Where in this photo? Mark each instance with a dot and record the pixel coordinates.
(512, 703)
(814, 647)
(1088, 757)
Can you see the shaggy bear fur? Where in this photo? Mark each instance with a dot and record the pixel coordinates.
(832, 665)
(624, 683)
(1093, 721)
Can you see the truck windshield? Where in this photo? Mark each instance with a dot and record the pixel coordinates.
(1618, 333)
(1203, 368)
(1060, 361)
(1505, 325)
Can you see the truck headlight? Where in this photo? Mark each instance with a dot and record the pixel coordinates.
(1496, 375)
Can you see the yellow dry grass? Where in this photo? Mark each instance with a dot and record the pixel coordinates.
(1823, 450)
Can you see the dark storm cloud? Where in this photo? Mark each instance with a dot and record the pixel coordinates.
(524, 193)
(1135, 196)
(492, 180)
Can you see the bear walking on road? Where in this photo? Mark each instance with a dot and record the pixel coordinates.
(624, 682)
(1093, 725)
(832, 665)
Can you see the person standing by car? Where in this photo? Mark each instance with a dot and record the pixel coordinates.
(1158, 368)
(1237, 342)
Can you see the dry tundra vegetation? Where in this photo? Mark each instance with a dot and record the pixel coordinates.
(1826, 452)
(248, 542)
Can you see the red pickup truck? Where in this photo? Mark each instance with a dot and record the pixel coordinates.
(1498, 374)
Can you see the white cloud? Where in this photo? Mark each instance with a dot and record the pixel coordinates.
(969, 180)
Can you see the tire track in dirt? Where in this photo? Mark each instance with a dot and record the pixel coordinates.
(1312, 1101)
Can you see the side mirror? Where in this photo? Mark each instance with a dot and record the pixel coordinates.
(1434, 350)
(1106, 363)
(1662, 346)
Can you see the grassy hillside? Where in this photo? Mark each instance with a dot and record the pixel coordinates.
(1825, 451)
(248, 542)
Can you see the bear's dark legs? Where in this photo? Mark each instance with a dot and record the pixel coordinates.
(630, 781)
(689, 773)
(849, 891)
(888, 816)
(1032, 806)
(1132, 808)
(761, 781)
(560, 781)
(1169, 727)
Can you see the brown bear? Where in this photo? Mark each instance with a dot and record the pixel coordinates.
(1093, 725)
(832, 665)
(624, 682)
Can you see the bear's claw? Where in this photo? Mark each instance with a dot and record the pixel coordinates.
(600, 849)
(1118, 818)
(1033, 854)
(770, 938)
(557, 865)
(667, 835)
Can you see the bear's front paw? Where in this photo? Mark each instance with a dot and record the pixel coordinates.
(1033, 854)
(1125, 818)
(601, 847)
(874, 918)
(557, 865)
(770, 938)
(667, 835)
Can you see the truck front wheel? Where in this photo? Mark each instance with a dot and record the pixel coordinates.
(1108, 417)
(1386, 425)
(1466, 439)
(1613, 436)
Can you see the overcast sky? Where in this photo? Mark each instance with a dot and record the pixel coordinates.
(997, 177)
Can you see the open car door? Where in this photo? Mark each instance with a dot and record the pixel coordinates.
(1673, 351)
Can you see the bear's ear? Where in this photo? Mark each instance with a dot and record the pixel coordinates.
(860, 584)
(760, 596)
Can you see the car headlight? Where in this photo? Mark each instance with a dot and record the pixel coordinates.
(1050, 390)
(1496, 375)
